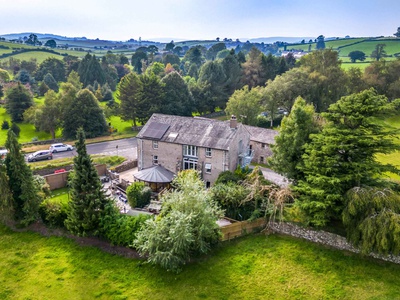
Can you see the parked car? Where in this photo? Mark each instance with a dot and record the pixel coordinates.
(40, 155)
(60, 147)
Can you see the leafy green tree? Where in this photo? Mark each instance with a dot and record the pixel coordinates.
(43, 88)
(157, 68)
(23, 76)
(214, 49)
(213, 77)
(177, 99)
(355, 82)
(185, 227)
(25, 198)
(84, 111)
(379, 52)
(245, 104)
(150, 96)
(18, 100)
(294, 134)
(320, 42)
(47, 117)
(33, 40)
(194, 56)
(372, 219)
(326, 76)
(4, 76)
(51, 44)
(54, 66)
(357, 55)
(137, 59)
(50, 82)
(29, 65)
(343, 154)
(90, 70)
(88, 202)
(397, 33)
(169, 46)
(170, 58)
(233, 73)
(128, 92)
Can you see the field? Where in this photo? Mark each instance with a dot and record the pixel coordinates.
(255, 267)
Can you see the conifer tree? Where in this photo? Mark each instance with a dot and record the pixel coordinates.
(25, 197)
(88, 201)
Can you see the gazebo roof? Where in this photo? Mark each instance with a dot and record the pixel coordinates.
(157, 174)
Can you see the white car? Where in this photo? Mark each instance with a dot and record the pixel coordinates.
(60, 147)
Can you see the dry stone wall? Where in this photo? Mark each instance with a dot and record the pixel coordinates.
(325, 238)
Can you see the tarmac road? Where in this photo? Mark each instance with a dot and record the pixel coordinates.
(124, 147)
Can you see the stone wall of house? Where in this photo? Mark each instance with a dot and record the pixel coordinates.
(126, 165)
(325, 238)
(260, 150)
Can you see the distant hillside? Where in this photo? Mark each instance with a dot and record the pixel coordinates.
(271, 40)
(16, 36)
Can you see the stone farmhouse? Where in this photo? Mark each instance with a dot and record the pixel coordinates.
(178, 143)
(261, 140)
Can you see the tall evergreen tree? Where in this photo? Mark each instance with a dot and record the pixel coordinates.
(6, 200)
(90, 70)
(293, 136)
(88, 201)
(18, 100)
(128, 93)
(25, 197)
(343, 155)
(83, 110)
(177, 100)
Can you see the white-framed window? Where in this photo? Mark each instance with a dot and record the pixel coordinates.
(261, 159)
(155, 144)
(207, 167)
(208, 152)
(189, 150)
(189, 163)
(263, 145)
(155, 159)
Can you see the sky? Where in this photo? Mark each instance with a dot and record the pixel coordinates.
(121, 20)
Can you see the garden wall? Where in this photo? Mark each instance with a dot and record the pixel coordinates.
(59, 180)
(127, 165)
(325, 238)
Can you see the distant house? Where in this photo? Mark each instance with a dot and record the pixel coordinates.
(261, 140)
(179, 143)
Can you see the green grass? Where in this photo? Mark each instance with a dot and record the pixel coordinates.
(39, 55)
(60, 195)
(367, 47)
(255, 267)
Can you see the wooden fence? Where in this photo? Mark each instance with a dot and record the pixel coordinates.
(238, 229)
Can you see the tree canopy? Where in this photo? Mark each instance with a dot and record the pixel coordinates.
(342, 156)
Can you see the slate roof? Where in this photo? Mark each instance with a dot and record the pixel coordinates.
(156, 174)
(201, 132)
(262, 135)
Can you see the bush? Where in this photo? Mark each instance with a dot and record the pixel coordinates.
(138, 194)
(5, 125)
(53, 213)
(120, 229)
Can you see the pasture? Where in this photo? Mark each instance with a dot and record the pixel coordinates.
(254, 267)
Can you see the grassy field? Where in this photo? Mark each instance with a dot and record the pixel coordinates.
(367, 47)
(255, 267)
(39, 55)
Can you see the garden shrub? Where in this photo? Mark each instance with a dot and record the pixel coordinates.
(53, 213)
(138, 194)
(120, 229)
(5, 125)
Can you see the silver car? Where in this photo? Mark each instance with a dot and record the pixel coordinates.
(60, 147)
(40, 155)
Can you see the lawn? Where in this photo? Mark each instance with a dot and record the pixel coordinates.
(255, 267)
(367, 47)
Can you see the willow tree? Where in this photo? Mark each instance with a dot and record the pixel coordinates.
(372, 219)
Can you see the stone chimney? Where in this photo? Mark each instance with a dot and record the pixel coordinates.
(233, 122)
